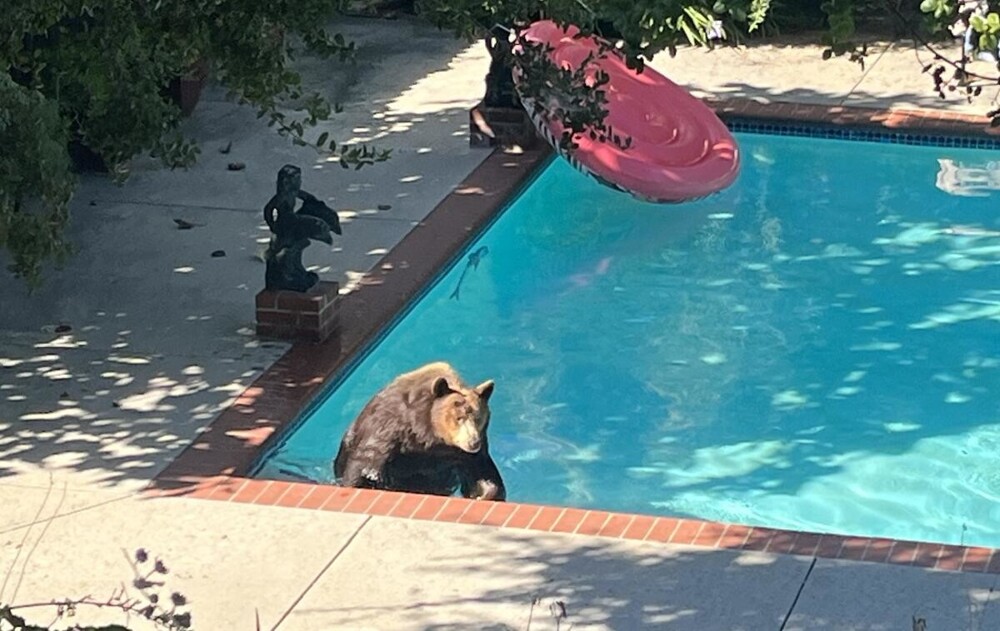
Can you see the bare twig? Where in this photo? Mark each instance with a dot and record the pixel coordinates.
(531, 611)
(149, 606)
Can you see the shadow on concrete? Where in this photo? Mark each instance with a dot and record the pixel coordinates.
(542, 582)
(108, 420)
(590, 585)
(857, 98)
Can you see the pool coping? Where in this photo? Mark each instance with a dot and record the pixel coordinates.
(217, 465)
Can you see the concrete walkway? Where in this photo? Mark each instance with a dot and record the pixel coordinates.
(161, 340)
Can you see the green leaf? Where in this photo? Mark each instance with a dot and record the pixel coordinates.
(758, 13)
(988, 41)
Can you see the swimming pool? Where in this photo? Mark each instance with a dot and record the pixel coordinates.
(814, 348)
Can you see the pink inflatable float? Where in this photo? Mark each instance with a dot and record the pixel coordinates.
(680, 149)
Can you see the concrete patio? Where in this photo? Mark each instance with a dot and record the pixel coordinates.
(161, 340)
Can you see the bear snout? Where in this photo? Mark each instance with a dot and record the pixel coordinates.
(467, 437)
(468, 440)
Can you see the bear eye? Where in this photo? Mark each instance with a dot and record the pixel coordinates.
(458, 403)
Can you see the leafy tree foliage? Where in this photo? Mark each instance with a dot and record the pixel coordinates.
(35, 181)
(95, 73)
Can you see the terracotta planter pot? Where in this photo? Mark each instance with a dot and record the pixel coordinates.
(185, 91)
(84, 159)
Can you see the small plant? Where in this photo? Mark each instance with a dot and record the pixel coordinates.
(164, 612)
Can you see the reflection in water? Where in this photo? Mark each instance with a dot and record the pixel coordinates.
(815, 347)
(973, 180)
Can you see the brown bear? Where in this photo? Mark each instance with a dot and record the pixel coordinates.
(423, 433)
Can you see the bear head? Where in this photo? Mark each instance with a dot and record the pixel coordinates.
(460, 415)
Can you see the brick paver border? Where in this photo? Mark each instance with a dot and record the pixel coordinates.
(919, 122)
(217, 465)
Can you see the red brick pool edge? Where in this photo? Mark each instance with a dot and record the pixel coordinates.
(217, 464)
(634, 527)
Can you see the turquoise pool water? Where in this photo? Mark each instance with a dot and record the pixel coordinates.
(814, 348)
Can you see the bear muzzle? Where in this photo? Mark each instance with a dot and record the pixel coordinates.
(467, 439)
(471, 446)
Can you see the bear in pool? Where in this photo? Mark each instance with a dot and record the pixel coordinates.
(425, 432)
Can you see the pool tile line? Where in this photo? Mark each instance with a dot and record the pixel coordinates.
(899, 126)
(607, 525)
(217, 464)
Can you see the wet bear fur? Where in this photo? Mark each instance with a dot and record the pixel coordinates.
(425, 432)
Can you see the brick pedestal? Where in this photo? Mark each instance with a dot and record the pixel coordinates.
(293, 315)
(501, 126)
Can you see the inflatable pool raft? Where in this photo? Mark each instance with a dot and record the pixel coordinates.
(680, 150)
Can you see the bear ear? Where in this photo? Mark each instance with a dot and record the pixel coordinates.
(441, 387)
(485, 389)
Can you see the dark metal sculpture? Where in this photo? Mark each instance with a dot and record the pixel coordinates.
(500, 90)
(292, 231)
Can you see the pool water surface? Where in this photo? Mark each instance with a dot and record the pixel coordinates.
(815, 348)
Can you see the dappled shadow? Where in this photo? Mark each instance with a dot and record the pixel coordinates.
(538, 582)
(112, 419)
